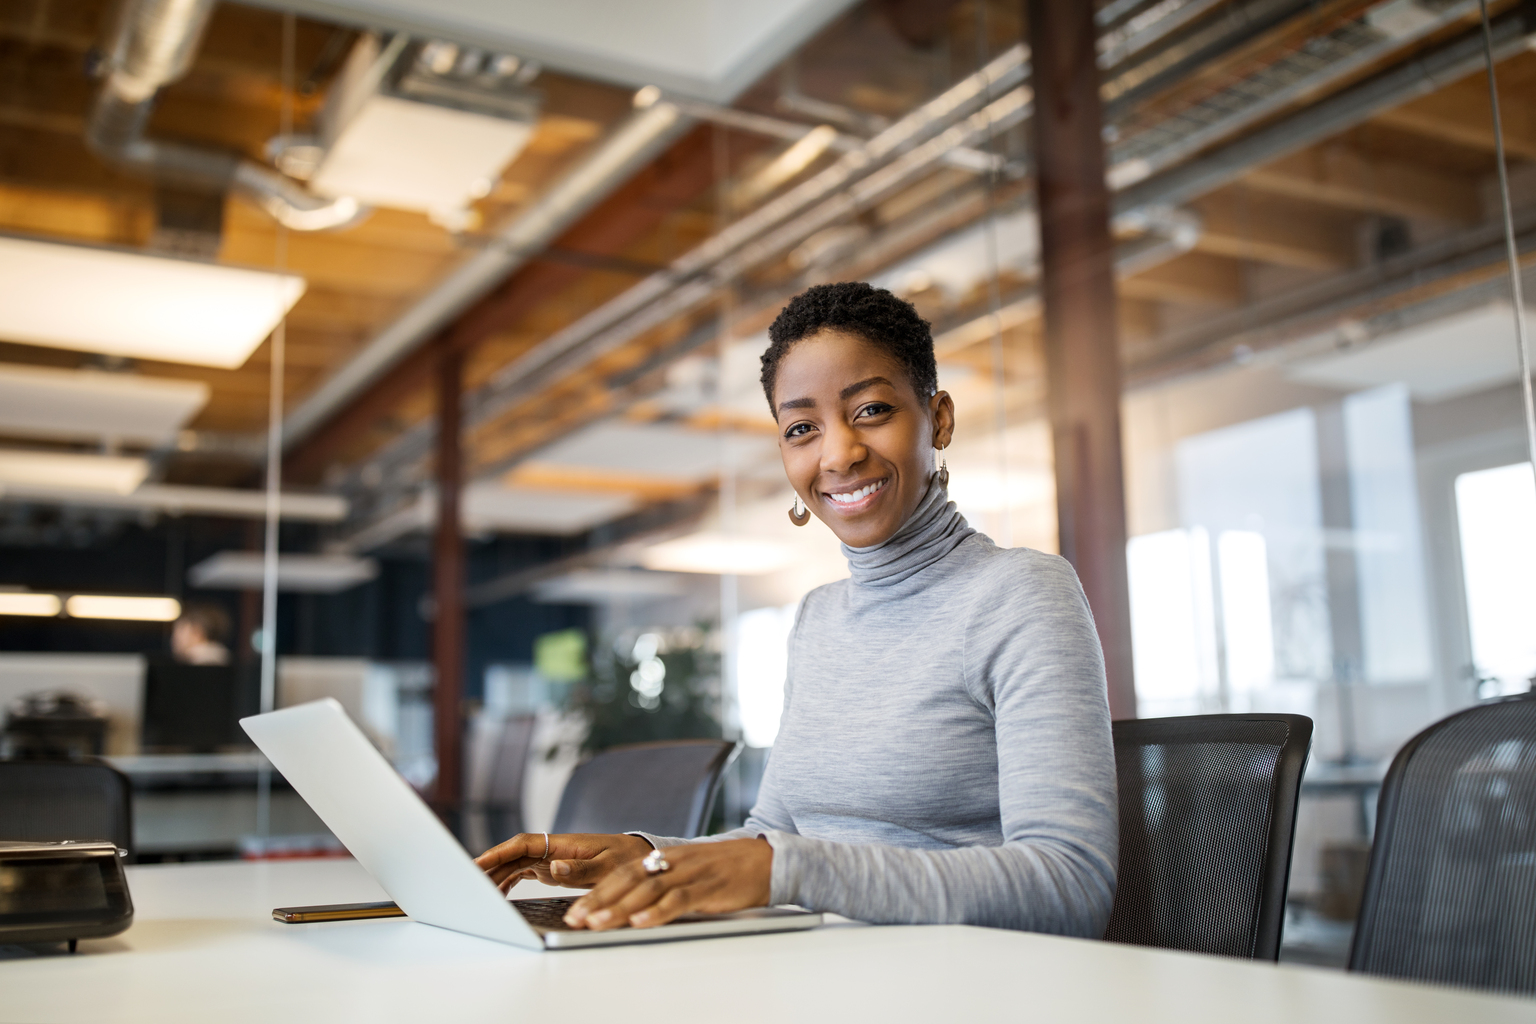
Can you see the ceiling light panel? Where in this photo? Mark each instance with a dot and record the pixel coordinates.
(315, 574)
(136, 305)
(39, 401)
(717, 553)
(41, 605)
(132, 609)
(107, 473)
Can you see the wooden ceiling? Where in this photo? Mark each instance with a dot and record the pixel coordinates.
(1421, 170)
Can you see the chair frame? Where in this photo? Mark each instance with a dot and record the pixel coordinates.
(1289, 766)
(703, 796)
(1386, 817)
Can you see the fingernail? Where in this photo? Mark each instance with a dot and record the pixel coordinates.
(641, 919)
(575, 916)
(600, 918)
(559, 867)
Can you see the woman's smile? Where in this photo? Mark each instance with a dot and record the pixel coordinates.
(854, 498)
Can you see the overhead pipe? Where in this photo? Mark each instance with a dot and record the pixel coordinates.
(153, 45)
(1430, 72)
(901, 152)
(618, 158)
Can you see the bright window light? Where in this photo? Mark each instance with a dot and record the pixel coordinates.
(1173, 629)
(132, 304)
(1245, 612)
(110, 473)
(719, 554)
(1495, 509)
(762, 664)
(138, 609)
(42, 605)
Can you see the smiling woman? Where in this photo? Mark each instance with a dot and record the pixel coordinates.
(944, 753)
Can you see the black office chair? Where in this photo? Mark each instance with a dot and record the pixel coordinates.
(1207, 814)
(46, 801)
(1450, 896)
(666, 789)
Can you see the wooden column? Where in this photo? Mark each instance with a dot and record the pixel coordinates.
(448, 585)
(1082, 350)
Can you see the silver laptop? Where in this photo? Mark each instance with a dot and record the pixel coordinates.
(402, 844)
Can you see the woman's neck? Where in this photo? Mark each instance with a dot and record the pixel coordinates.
(933, 530)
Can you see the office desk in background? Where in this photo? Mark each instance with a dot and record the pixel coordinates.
(204, 947)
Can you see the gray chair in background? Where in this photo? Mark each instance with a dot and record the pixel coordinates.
(48, 801)
(666, 789)
(1450, 896)
(1207, 818)
(496, 762)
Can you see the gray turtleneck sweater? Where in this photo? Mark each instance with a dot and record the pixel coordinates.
(944, 754)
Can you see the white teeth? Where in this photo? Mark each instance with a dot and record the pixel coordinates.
(862, 492)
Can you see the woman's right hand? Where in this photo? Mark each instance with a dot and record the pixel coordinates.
(576, 861)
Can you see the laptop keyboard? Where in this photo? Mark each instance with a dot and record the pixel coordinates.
(548, 914)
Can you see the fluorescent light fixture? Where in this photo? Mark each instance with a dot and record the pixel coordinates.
(40, 401)
(180, 500)
(42, 605)
(132, 304)
(718, 553)
(137, 609)
(109, 473)
(315, 574)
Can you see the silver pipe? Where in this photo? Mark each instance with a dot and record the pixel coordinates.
(153, 45)
(1418, 77)
(625, 151)
(648, 129)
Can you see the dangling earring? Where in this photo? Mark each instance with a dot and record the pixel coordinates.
(943, 472)
(797, 515)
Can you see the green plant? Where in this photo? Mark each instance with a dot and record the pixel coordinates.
(656, 685)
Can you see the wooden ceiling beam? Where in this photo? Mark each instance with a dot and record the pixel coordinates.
(1462, 115)
(1344, 178)
(1242, 224)
(1194, 279)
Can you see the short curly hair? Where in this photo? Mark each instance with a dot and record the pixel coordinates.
(873, 314)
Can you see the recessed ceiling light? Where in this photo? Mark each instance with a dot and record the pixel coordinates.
(133, 304)
(111, 473)
(44, 605)
(138, 609)
(717, 553)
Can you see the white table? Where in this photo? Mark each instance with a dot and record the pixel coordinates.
(204, 948)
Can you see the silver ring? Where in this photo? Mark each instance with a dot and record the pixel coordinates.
(655, 863)
(546, 846)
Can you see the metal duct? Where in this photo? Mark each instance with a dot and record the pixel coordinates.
(153, 46)
(634, 144)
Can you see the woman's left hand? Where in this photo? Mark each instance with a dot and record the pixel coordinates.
(703, 878)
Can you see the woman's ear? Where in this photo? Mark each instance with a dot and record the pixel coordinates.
(942, 408)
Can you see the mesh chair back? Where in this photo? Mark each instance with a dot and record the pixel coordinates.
(666, 789)
(46, 801)
(1207, 815)
(1451, 892)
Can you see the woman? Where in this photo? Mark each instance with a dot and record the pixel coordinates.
(944, 754)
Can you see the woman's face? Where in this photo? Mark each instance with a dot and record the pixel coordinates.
(856, 439)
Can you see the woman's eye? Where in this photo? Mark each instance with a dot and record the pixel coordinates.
(798, 430)
(874, 409)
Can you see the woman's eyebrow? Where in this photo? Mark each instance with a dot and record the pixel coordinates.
(855, 388)
(798, 403)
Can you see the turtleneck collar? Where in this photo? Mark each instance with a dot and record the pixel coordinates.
(934, 530)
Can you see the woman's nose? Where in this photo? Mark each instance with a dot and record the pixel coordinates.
(842, 450)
